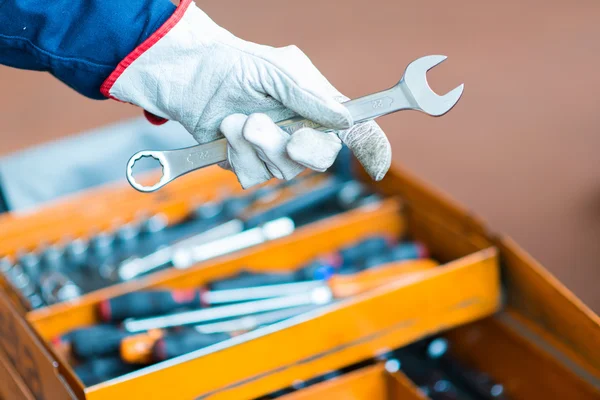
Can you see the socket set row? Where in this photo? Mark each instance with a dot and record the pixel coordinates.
(65, 271)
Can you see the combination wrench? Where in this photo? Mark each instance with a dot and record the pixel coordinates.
(411, 93)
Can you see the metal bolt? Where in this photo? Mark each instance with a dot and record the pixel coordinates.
(127, 232)
(497, 390)
(76, 250)
(437, 348)
(35, 301)
(392, 365)
(101, 243)
(30, 263)
(52, 256)
(155, 223)
(5, 265)
(209, 210)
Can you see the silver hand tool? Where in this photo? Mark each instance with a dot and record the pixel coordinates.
(218, 241)
(214, 297)
(250, 322)
(411, 93)
(135, 267)
(317, 296)
(275, 229)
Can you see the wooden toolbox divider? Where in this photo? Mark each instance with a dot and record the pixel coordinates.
(368, 383)
(520, 360)
(462, 294)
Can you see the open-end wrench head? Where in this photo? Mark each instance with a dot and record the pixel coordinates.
(415, 79)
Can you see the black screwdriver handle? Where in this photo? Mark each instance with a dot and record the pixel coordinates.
(179, 343)
(148, 303)
(100, 340)
(296, 205)
(320, 269)
(359, 252)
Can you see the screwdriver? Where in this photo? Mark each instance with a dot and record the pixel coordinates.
(151, 303)
(156, 302)
(372, 251)
(94, 341)
(322, 293)
(157, 344)
(144, 304)
(317, 295)
(319, 269)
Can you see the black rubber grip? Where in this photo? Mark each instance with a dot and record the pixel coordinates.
(96, 341)
(296, 205)
(99, 370)
(177, 344)
(254, 279)
(315, 270)
(401, 252)
(148, 303)
(359, 252)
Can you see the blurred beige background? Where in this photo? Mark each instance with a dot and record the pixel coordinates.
(520, 148)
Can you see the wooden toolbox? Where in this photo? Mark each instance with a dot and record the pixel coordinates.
(502, 312)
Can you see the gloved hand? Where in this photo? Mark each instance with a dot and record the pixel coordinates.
(213, 83)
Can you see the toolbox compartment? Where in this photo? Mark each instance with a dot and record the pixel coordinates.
(337, 335)
(511, 352)
(368, 383)
(460, 297)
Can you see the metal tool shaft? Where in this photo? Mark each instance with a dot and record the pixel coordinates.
(319, 295)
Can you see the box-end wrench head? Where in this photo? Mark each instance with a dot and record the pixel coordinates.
(411, 93)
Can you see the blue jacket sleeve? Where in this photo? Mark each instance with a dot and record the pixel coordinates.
(80, 42)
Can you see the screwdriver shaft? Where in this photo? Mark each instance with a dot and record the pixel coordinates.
(318, 296)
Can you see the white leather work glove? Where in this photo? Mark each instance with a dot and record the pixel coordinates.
(197, 73)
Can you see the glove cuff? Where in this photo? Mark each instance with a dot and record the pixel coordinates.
(107, 85)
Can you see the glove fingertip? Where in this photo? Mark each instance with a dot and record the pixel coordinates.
(313, 149)
(371, 147)
(232, 123)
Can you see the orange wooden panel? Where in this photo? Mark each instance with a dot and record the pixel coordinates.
(401, 387)
(364, 384)
(441, 238)
(524, 368)
(12, 386)
(36, 367)
(428, 199)
(540, 297)
(369, 383)
(338, 335)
